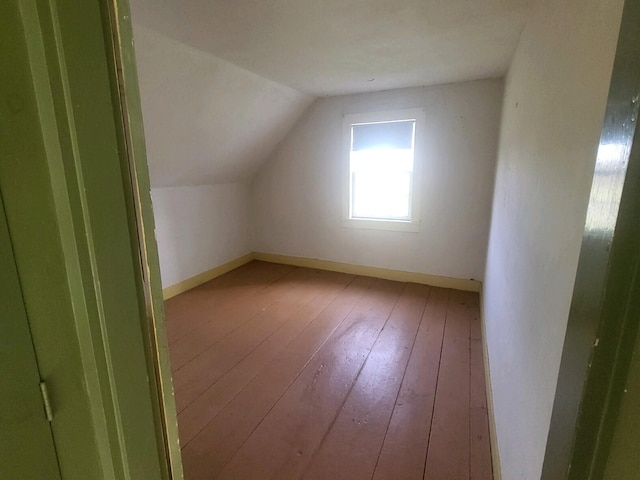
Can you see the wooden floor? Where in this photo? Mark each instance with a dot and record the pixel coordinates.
(285, 373)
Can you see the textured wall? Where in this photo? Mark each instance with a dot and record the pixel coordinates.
(298, 194)
(555, 96)
(199, 228)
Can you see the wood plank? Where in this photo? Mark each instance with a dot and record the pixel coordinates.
(184, 312)
(295, 426)
(221, 319)
(448, 449)
(404, 450)
(480, 467)
(179, 316)
(205, 369)
(363, 419)
(197, 415)
(213, 447)
(273, 399)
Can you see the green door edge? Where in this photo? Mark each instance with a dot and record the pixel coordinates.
(26, 441)
(132, 138)
(39, 219)
(605, 309)
(59, 199)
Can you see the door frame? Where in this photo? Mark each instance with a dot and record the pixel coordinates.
(113, 408)
(605, 309)
(26, 443)
(117, 15)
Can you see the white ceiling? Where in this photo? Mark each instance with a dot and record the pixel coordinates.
(330, 47)
(207, 121)
(223, 81)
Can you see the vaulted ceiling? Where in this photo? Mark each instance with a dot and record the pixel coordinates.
(223, 81)
(207, 121)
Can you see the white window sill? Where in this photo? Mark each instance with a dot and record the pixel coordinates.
(393, 225)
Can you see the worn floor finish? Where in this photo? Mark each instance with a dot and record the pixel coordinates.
(285, 373)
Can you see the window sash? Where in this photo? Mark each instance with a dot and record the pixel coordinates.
(382, 178)
(395, 218)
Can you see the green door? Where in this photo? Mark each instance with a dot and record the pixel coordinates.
(68, 203)
(33, 209)
(26, 443)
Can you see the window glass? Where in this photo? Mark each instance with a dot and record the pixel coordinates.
(381, 166)
(382, 169)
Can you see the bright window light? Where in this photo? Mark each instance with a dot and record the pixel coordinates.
(383, 155)
(381, 170)
(381, 184)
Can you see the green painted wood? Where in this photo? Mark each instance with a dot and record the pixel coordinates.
(26, 442)
(624, 461)
(95, 173)
(141, 220)
(65, 180)
(103, 212)
(101, 391)
(613, 388)
(605, 309)
(618, 434)
(37, 213)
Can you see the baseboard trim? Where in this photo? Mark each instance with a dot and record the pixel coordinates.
(386, 273)
(495, 452)
(204, 277)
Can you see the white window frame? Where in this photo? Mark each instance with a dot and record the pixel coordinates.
(412, 225)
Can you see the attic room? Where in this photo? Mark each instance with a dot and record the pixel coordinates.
(359, 239)
(245, 106)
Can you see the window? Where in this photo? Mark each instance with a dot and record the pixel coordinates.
(380, 149)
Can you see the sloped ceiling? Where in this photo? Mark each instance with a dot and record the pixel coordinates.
(207, 121)
(223, 81)
(331, 47)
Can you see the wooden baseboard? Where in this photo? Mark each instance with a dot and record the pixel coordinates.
(386, 273)
(203, 277)
(495, 452)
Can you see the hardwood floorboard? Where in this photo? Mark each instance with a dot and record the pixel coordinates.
(448, 448)
(287, 373)
(293, 429)
(213, 447)
(226, 316)
(224, 353)
(480, 467)
(186, 311)
(197, 415)
(404, 449)
(351, 447)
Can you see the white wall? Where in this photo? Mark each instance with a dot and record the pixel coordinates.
(199, 228)
(298, 194)
(555, 97)
(207, 121)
